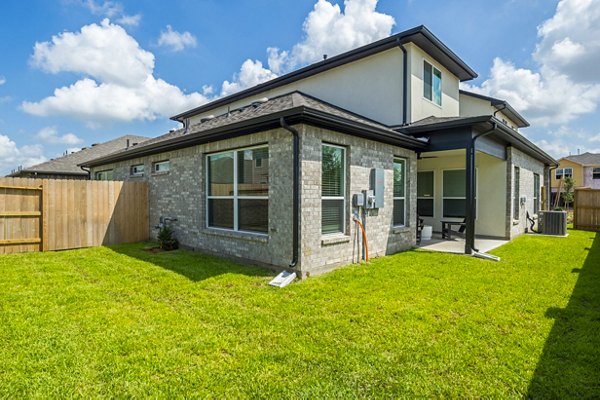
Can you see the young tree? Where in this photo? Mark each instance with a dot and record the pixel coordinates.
(569, 193)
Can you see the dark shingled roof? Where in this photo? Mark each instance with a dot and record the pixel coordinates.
(69, 164)
(251, 116)
(587, 159)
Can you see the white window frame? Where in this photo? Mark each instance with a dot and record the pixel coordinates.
(561, 173)
(433, 72)
(158, 163)
(137, 173)
(595, 171)
(344, 149)
(462, 198)
(235, 196)
(405, 162)
(432, 198)
(536, 188)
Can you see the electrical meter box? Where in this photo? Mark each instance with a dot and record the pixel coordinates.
(377, 186)
(358, 200)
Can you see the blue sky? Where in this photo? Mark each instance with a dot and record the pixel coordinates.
(77, 72)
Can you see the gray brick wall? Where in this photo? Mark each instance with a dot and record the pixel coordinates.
(528, 166)
(180, 193)
(320, 253)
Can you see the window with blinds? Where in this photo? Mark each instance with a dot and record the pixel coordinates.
(333, 189)
(399, 212)
(536, 193)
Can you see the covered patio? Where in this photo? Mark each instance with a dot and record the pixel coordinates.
(457, 244)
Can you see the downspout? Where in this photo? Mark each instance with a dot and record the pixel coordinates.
(89, 172)
(404, 84)
(499, 109)
(470, 175)
(295, 189)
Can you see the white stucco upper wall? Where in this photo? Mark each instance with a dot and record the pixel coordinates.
(471, 106)
(371, 86)
(420, 107)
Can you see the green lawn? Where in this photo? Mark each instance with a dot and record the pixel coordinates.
(122, 322)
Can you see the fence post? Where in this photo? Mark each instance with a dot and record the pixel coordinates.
(44, 216)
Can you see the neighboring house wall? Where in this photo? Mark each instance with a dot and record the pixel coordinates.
(491, 190)
(371, 86)
(588, 177)
(528, 166)
(577, 173)
(419, 106)
(181, 193)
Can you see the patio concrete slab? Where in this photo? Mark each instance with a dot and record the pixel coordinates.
(457, 245)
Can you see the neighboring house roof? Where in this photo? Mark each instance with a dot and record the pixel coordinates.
(431, 125)
(586, 159)
(420, 35)
(69, 164)
(501, 105)
(295, 107)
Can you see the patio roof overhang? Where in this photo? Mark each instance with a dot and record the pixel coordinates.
(485, 134)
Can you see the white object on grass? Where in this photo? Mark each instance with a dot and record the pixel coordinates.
(485, 256)
(283, 279)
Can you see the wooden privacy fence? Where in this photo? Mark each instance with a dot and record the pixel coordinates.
(53, 214)
(586, 209)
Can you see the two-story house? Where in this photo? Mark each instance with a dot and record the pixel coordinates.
(583, 168)
(280, 173)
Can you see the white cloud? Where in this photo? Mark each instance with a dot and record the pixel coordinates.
(12, 156)
(105, 52)
(123, 87)
(176, 41)
(251, 74)
(566, 85)
(331, 31)
(50, 135)
(130, 20)
(2, 80)
(112, 9)
(327, 30)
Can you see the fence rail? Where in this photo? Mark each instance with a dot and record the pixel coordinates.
(53, 214)
(586, 209)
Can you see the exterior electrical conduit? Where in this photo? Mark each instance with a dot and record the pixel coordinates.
(364, 235)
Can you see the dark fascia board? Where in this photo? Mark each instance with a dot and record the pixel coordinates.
(33, 171)
(506, 107)
(420, 35)
(295, 115)
(484, 123)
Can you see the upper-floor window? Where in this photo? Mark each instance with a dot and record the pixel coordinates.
(432, 83)
(564, 173)
(237, 193)
(137, 170)
(516, 193)
(596, 173)
(333, 189)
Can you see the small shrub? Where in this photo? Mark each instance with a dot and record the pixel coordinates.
(166, 241)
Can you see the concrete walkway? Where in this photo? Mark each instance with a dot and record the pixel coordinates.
(457, 244)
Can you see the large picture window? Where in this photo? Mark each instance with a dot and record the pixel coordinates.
(238, 190)
(333, 189)
(432, 83)
(536, 193)
(425, 196)
(454, 193)
(399, 212)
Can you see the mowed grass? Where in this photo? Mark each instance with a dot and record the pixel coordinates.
(122, 322)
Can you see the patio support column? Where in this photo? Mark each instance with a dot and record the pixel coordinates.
(470, 197)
